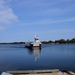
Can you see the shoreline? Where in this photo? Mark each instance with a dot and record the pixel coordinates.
(42, 43)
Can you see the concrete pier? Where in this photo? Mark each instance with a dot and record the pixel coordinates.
(41, 72)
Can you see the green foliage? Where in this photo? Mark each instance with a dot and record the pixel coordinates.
(72, 40)
(61, 41)
(51, 41)
(45, 42)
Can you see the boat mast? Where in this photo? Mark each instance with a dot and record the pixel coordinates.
(36, 38)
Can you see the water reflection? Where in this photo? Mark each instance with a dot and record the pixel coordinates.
(36, 52)
(51, 56)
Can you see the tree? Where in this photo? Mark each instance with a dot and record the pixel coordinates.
(72, 40)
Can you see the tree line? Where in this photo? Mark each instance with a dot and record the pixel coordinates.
(60, 41)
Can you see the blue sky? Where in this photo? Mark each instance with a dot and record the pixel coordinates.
(48, 19)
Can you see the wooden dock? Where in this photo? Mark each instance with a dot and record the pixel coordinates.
(41, 72)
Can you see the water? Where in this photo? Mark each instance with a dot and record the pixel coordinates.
(52, 56)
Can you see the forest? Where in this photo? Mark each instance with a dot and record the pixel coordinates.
(60, 41)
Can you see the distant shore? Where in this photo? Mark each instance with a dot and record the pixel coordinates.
(60, 41)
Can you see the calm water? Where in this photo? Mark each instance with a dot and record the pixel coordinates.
(53, 56)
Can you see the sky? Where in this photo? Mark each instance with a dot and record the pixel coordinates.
(20, 20)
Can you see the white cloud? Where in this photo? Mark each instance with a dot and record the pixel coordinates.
(6, 13)
(54, 31)
(36, 3)
(63, 31)
(49, 21)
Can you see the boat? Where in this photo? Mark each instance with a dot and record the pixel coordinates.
(37, 43)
